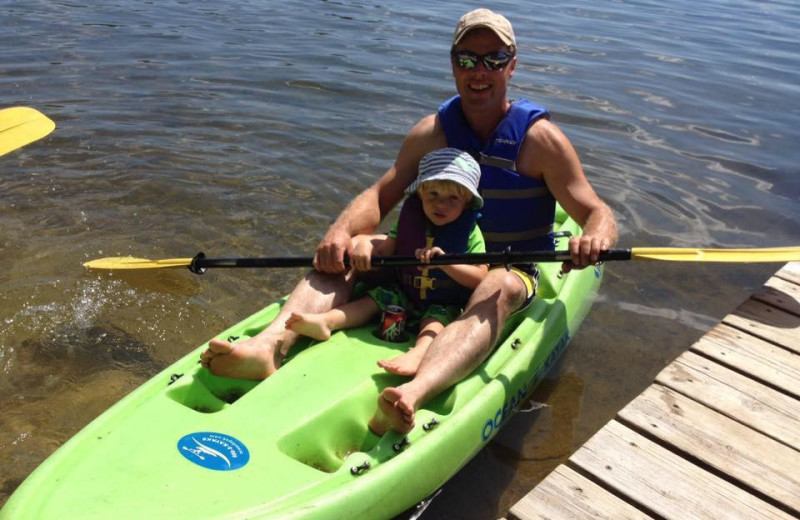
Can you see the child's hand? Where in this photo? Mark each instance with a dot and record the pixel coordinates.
(425, 254)
(361, 257)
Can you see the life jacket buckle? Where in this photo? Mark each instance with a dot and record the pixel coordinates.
(424, 282)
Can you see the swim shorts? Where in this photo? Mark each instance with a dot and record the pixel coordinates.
(394, 295)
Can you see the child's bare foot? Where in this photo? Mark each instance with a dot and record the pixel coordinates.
(308, 324)
(405, 364)
(378, 423)
(393, 413)
(246, 360)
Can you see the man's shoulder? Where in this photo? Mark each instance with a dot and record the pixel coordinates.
(544, 144)
(429, 133)
(544, 137)
(429, 124)
(541, 130)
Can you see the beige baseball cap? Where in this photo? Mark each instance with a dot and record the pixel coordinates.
(484, 18)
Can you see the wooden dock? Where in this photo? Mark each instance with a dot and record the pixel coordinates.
(716, 436)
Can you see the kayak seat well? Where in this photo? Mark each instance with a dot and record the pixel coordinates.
(326, 439)
(207, 393)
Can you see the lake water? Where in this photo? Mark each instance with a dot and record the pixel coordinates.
(242, 128)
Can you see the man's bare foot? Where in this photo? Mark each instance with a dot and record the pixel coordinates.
(245, 360)
(308, 324)
(404, 364)
(393, 413)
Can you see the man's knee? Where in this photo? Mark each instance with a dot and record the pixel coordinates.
(505, 287)
(325, 282)
(318, 291)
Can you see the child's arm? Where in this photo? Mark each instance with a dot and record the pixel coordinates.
(464, 274)
(367, 246)
(467, 275)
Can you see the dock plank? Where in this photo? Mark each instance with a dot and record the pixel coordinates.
(670, 486)
(567, 495)
(748, 354)
(758, 406)
(780, 293)
(768, 323)
(790, 272)
(731, 448)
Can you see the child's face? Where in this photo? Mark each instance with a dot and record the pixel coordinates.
(442, 206)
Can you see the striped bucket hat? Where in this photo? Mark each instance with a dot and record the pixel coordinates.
(450, 164)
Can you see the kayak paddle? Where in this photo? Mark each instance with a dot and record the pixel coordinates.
(20, 126)
(200, 263)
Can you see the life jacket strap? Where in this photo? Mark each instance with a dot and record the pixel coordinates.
(497, 162)
(426, 282)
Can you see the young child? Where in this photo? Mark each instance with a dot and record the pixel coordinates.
(439, 216)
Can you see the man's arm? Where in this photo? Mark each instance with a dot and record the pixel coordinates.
(365, 212)
(547, 154)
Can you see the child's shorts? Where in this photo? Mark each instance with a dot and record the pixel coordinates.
(394, 295)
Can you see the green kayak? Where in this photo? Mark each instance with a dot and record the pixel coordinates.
(190, 445)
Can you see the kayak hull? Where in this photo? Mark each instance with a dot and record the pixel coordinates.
(188, 444)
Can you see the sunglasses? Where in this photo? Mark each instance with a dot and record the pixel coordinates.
(468, 60)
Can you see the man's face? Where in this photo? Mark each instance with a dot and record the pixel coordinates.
(479, 84)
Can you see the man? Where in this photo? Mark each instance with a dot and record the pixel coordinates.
(523, 172)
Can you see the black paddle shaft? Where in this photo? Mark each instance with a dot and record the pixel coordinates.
(200, 263)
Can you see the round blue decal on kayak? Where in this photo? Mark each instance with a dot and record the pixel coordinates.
(215, 451)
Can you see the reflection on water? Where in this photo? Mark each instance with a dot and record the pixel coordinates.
(685, 317)
(242, 129)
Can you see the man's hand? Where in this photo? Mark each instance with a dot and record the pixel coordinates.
(330, 253)
(585, 251)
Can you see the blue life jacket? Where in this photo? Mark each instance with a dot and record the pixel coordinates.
(433, 285)
(518, 211)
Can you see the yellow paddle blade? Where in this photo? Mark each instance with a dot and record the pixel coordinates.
(677, 254)
(20, 126)
(129, 262)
